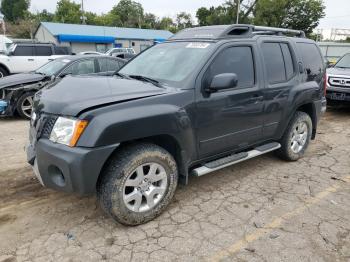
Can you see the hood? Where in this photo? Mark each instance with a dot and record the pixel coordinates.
(338, 71)
(18, 79)
(73, 94)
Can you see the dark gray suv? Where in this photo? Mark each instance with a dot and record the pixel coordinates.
(207, 98)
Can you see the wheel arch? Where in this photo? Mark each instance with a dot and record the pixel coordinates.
(5, 68)
(309, 108)
(165, 141)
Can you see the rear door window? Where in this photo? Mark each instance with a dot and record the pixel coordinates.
(278, 61)
(312, 61)
(288, 60)
(108, 65)
(83, 67)
(274, 62)
(43, 50)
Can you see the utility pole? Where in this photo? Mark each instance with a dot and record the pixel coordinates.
(83, 17)
(238, 6)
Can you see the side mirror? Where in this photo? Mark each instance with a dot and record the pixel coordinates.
(223, 81)
(63, 74)
(330, 64)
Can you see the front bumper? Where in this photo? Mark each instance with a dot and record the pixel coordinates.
(69, 169)
(338, 93)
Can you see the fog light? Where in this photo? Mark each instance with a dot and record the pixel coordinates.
(57, 176)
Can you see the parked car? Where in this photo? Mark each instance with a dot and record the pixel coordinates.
(338, 81)
(208, 98)
(90, 53)
(126, 56)
(17, 91)
(121, 50)
(27, 56)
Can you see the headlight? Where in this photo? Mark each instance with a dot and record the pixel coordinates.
(67, 131)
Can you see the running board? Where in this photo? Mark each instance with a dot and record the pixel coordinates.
(234, 159)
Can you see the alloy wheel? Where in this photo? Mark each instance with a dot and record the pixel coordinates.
(145, 187)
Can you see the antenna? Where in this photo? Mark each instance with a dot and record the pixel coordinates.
(238, 7)
(83, 17)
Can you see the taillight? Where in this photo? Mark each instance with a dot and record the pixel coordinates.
(325, 83)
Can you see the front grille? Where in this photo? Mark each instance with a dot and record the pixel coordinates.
(339, 82)
(48, 125)
(43, 125)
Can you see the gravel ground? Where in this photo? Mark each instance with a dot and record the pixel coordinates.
(264, 209)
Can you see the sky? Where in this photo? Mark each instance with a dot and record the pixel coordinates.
(337, 11)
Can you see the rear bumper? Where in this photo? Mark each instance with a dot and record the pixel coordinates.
(65, 168)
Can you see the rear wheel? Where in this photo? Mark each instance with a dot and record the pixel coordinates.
(296, 138)
(138, 183)
(25, 105)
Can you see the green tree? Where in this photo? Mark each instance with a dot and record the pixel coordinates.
(226, 13)
(296, 14)
(14, 10)
(183, 20)
(67, 12)
(108, 19)
(129, 12)
(150, 21)
(45, 16)
(166, 23)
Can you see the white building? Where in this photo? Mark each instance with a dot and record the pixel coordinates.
(98, 38)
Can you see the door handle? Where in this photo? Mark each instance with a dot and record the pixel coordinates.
(256, 98)
(30, 59)
(50, 59)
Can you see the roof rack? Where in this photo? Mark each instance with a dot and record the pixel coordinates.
(229, 31)
(278, 31)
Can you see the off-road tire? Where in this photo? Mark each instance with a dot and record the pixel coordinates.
(119, 167)
(285, 152)
(19, 102)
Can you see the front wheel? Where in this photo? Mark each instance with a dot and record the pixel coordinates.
(296, 138)
(138, 183)
(25, 105)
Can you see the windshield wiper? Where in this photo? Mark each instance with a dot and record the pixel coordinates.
(40, 73)
(343, 67)
(146, 79)
(116, 73)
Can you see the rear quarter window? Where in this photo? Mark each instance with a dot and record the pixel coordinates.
(312, 61)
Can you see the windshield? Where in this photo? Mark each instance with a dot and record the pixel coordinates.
(344, 62)
(53, 67)
(171, 63)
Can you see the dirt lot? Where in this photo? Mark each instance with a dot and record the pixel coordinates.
(261, 210)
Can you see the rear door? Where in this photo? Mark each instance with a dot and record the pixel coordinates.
(280, 71)
(43, 54)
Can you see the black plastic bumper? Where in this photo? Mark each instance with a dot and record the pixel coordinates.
(68, 169)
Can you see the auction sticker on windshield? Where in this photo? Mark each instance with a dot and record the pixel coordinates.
(197, 45)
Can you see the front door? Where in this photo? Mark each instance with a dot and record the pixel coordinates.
(230, 119)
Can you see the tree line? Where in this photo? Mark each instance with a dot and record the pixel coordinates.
(296, 14)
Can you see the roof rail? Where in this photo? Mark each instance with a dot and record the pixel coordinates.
(244, 30)
(280, 31)
(230, 31)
